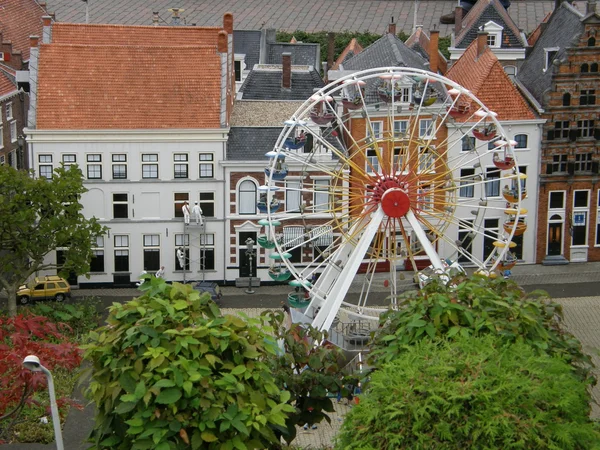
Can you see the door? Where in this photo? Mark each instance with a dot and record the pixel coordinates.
(554, 239)
(60, 260)
(246, 270)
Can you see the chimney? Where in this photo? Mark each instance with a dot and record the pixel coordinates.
(481, 42)
(458, 16)
(222, 40)
(591, 7)
(33, 41)
(155, 18)
(228, 22)
(33, 81)
(330, 49)
(175, 19)
(434, 40)
(46, 29)
(557, 3)
(392, 27)
(286, 62)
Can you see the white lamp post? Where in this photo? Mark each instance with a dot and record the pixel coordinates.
(250, 255)
(32, 363)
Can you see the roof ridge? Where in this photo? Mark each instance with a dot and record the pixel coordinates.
(197, 46)
(115, 25)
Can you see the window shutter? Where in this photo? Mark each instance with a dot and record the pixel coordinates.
(571, 168)
(309, 144)
(573, 135)
(594, 166)
(550, 135)
(549, 169)
(7, 56)
(597, 134)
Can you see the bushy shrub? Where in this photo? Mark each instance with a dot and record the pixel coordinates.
(471, 393)
(170, 372)
(476, 306)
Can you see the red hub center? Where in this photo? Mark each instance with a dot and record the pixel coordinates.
(395, 202)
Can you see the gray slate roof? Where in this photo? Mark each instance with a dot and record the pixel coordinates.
(266, 85)
(247, 42)
(251, 143)
(387, 51)
(302, 54)
(563, 29)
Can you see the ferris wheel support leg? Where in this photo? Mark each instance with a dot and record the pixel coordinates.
(424, 241)
(339, 289)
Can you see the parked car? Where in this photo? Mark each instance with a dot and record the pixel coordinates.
(49, 287)
(211, 287)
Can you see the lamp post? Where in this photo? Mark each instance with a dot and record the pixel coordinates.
(32, 363)
(250, 255)
(20, 150)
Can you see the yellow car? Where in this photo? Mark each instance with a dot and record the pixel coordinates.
(49, 287)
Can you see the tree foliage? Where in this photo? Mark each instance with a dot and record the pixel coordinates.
(475, 306)
(309, 372)
(170, 372)
(471, 393)
(37, 216)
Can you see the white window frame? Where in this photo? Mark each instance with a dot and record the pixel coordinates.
(205, 202)
(13, 131)
(425, 194)
(149, 170)
(121, 248)
(489, 186)
(180, 161)
(467, 191)
(292, 193)
(150, 243)
(424, 129)
(69, 159)
(118, 160)
(180, 202)
(206, 163)
(1, 136)
(372, 161)
(45, 163)
(247, 206)
(321, 195)
(400, 128)
(96, 159)
(9, 108)
(581, 210)
(182, 240)
(120, 202)
(526, 141)
(207, 246)
(427, 159)
(97, 250)
(375, 129)
(547, 51)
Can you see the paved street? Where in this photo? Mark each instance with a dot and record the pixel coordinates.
(291, 15)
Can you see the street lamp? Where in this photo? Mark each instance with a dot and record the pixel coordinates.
(20, 150)
(250, 255)
(32, 363)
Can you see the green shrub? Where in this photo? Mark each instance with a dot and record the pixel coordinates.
(476, 306)
(170, 372)
(82, 316)
(471, 393)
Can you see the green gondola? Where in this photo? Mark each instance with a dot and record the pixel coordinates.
(265, 242)
(279, 273)
(297, 300)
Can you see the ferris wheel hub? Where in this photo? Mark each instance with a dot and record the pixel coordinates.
(395, 202)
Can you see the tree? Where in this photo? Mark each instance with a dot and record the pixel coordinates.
(170, 372)
(37, 216)
(472, 392)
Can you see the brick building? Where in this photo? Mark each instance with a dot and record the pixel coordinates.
(561, 75)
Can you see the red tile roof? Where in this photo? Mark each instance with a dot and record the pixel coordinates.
(20, 19)
(486, 79)
(128, 87)
(353, 48)
(420, 39)
(7, 85)
(72, 33)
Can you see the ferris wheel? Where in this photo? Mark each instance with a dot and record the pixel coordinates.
(390, 173)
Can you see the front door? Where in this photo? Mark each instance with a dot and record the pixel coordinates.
(554, 239)
(246, 270)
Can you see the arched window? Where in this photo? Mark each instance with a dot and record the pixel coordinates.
(566, 99)
(594, 68)
(592, 42)
(585, 68)
(511, 71)
(247, 197)
(521, 140)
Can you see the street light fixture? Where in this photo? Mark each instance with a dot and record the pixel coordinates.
(250, 255)
(32, 363)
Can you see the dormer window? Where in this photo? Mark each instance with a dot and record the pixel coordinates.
(550, 56)
(494, 37)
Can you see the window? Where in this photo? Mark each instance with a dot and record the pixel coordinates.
(426, 160)
(585, 68)
(9, 111)
(237, 67)
(550, 56)
(207, 204)
(598, 220)
(523, 170)
(207, 252)
(594, 68)
(587, 97)
(97, 262)
(585, 128)
(426, 128)
(491, 235)
(293, 196)
(293, 237)
(561, 129)
(94, 171)
(206, 165)
(425, 197)
(566, 99)
(182, 241)
(119, 167)
(376, 130)
(372, 162)
(511, 71)
(521, 140)
(468, 143)
(583, 162)
(466, 182)
(491, 40)
(400, 127)
(465, 240)
(120, 206)
(69, 160)
(492, 182)
(579, 217)
(559, 163)
(406, 94)
(321, 197)
(179, 199)
(181, 166)
(247, 197)
(46, 167)
(13, 131)
(2, 160)
(121, 253)
(151, 252)
(1, 134)
(556, 200)
(150, 170)
(399, 161)
(591, 42)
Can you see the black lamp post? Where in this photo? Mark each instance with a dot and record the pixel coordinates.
(20, 150)
(250, 255)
